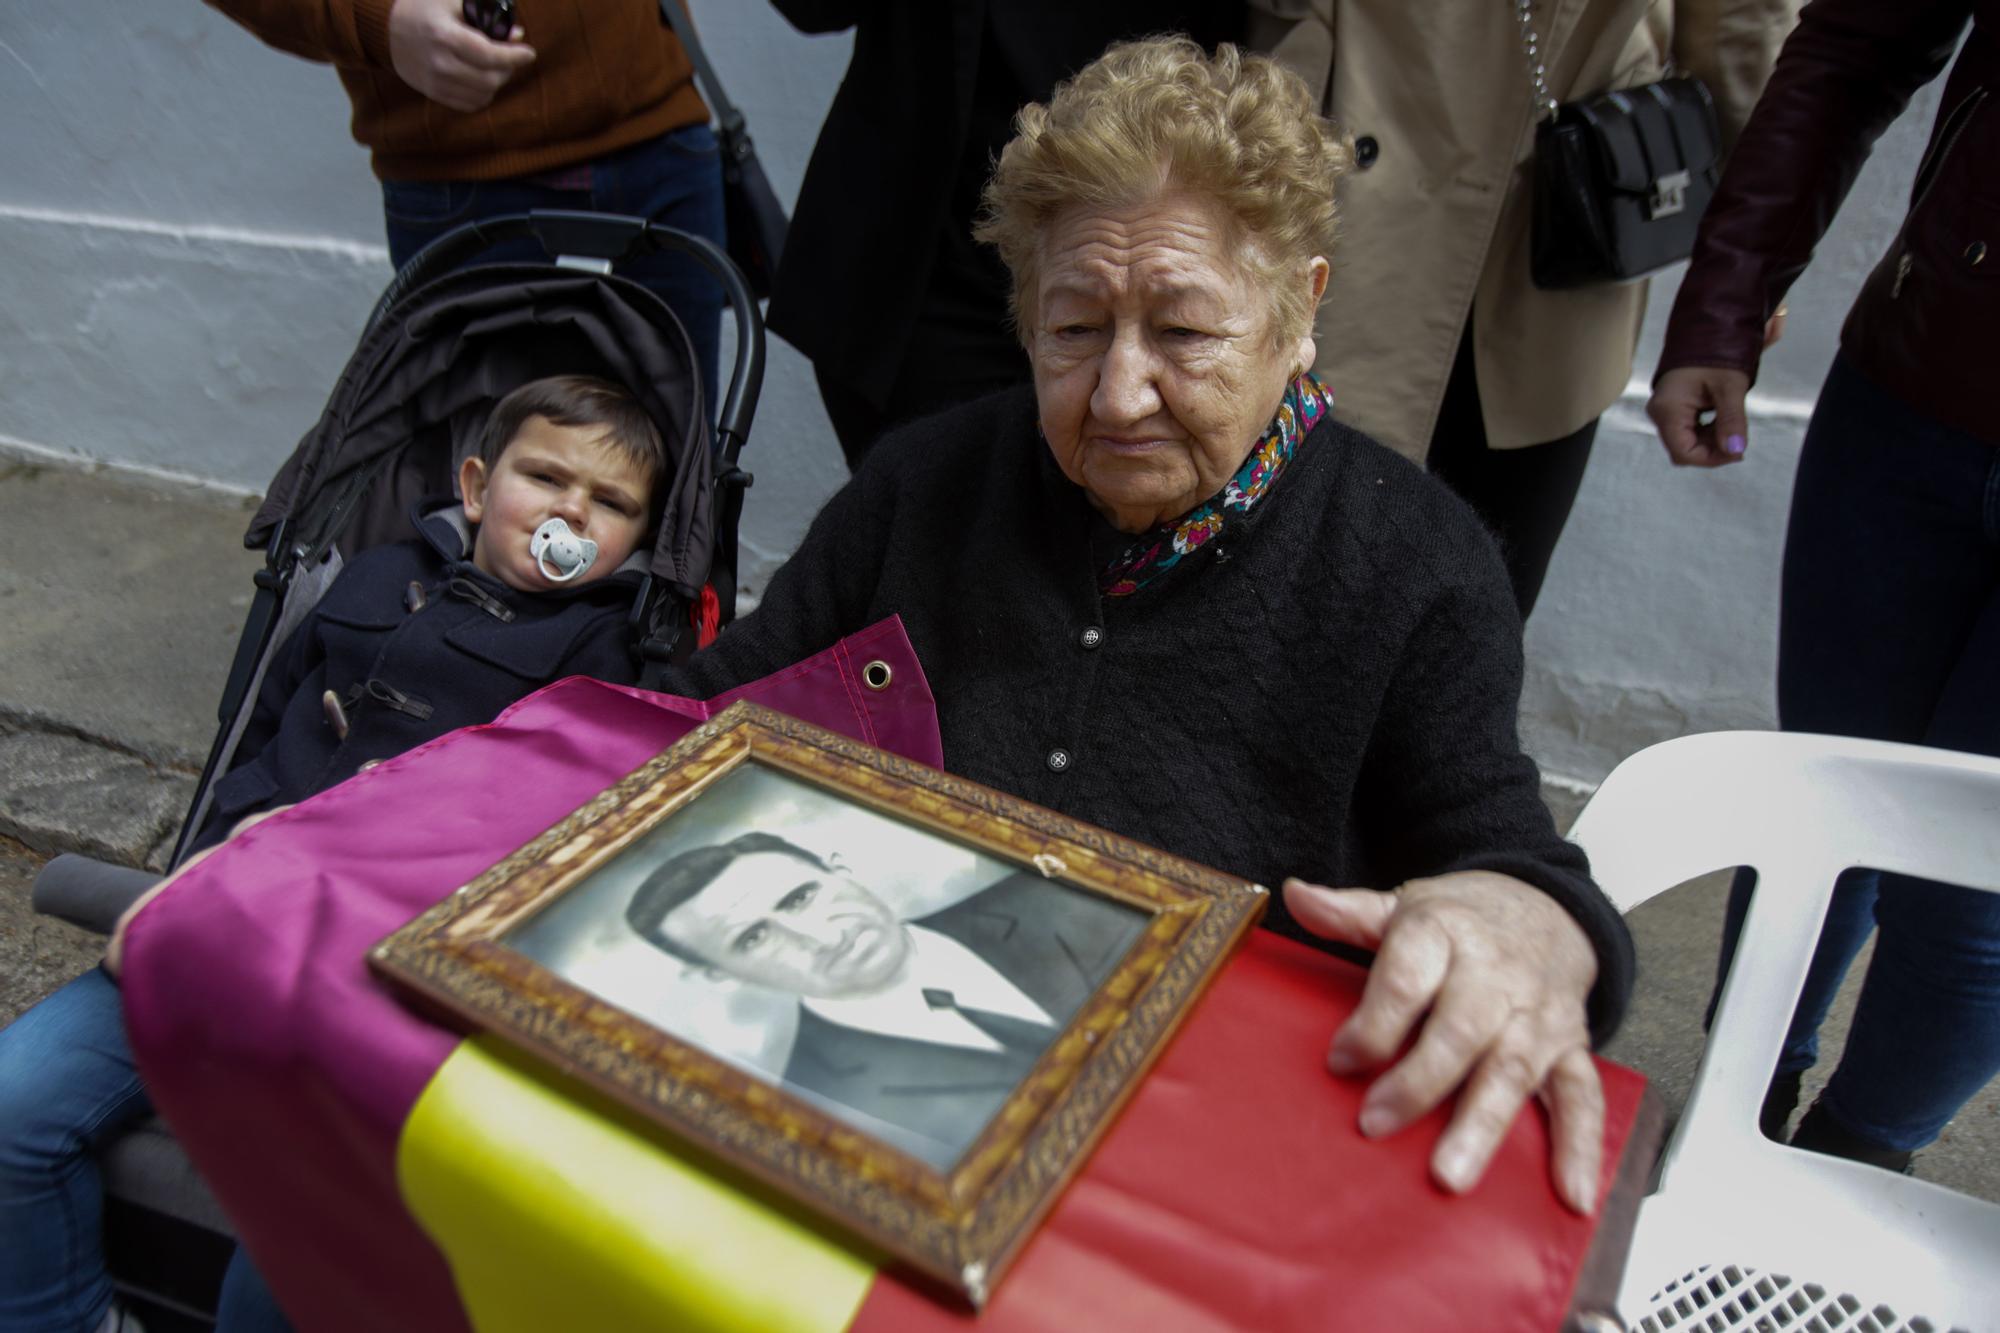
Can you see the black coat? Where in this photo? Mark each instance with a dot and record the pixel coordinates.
(883, 222)
(1328, 689)
(1055, 943)
(403, 676)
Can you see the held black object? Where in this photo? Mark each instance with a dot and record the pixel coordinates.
(495, 18)
(755, 220)
(1621, 179)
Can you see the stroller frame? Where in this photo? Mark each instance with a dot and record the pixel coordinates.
(590, 241)
(170, 1261)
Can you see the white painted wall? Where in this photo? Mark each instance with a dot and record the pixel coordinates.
(190, 242)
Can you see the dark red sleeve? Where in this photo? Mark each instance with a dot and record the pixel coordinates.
(1846, 72)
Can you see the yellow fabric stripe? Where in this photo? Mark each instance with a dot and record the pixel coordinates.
(557, 1209)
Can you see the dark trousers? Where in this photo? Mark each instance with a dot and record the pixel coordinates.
(1890, 630)
(1522, 495)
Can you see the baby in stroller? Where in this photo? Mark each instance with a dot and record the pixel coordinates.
(418, 638)
(525, 583)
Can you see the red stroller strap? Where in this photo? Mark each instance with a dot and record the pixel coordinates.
(706, 616)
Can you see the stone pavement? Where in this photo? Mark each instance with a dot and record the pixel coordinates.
(120, 604)
(37, 953)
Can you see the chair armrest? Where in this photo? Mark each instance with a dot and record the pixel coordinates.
(88, 893)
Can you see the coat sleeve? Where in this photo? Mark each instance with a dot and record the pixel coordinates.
(1447, 785)
(1731, 45)
(1846, 72)
(298, 660)
(352, 33)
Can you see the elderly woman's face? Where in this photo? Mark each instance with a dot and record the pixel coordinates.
(1155, 365)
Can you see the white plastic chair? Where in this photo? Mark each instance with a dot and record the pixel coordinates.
(1744, 1233)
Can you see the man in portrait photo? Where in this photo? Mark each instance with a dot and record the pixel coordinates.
(923, 1025)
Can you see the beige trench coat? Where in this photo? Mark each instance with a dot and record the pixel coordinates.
(1438, 224)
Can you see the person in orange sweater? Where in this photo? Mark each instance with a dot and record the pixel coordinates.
(589, 107)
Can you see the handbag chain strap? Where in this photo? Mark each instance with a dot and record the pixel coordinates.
(1531, 46)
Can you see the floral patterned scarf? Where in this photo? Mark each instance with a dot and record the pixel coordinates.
(1157, 551)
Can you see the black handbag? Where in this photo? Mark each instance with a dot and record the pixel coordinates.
(754, 219)
(1621, 179)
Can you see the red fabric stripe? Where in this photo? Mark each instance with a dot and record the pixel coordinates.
(1235, 1193)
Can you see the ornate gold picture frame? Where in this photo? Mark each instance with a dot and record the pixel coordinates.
(910, 1002)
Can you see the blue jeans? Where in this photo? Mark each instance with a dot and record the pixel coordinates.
(675, 179)
(1890, 630)
(68, 1087)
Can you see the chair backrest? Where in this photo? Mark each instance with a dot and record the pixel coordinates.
(1742, 1232)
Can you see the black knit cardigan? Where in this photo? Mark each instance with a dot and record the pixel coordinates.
(1327, 690)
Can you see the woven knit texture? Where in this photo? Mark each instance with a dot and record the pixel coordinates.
(1329, 690)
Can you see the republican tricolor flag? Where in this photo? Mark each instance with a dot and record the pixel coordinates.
(389, 1173)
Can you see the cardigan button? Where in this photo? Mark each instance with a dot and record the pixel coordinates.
(1058, 760)
(1366, 150)
(1975, 252)
(1091, 637)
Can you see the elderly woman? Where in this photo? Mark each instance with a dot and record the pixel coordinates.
(1166, 592)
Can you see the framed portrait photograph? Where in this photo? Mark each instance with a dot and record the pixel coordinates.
(907, 1001)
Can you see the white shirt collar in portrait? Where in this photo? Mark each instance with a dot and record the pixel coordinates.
(937, 962)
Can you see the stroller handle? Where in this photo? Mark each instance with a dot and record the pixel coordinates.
(610, 237)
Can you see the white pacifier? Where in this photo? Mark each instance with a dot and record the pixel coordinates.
(560, 554)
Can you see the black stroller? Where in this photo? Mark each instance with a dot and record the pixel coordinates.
(446, 342)
(443, 344)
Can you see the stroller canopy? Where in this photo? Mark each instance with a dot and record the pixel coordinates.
(428, 373)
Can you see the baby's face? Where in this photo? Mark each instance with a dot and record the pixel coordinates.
(549, 471)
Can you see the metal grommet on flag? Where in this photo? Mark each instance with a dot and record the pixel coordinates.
(877, 675)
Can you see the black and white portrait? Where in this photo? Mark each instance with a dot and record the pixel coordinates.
(904, 982)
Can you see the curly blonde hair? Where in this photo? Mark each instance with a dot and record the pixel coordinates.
(1160, 116)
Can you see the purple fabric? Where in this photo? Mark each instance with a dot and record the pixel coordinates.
(287, 1071)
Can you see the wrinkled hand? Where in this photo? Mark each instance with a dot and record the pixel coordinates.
(114, 952)
(435, 51)
(1497, 975)
(1679, 399)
